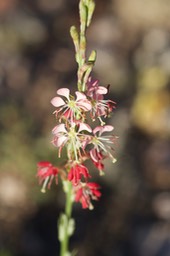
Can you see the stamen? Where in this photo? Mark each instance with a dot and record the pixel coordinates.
(43, 189)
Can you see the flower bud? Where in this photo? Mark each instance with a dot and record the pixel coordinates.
(91, 7)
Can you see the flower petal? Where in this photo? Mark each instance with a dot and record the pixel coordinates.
(85, 105)
(80, 96)
(61, 140)
(84, 127)
(57, 102)
(101, 90)
(93, 155)
(59, 128)
(107, 128)
(64, 92)
(42, 164)
(101, 129)
(93, 185)
(97, 129)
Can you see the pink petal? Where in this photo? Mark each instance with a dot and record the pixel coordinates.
(84, 127)
(93, 155)
(93, 82)
(97, 129)
(61, 140)
(101, 129)
(85, 105)
(80, 96)
(64, 92)
(101, 90)
(59, 128)
(107, 128)
(57, 102)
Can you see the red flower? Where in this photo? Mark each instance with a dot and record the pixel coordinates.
(46, 173)
(76, 172)
(100, 166)
(85, 192)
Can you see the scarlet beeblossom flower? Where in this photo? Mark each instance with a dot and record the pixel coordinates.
(73, 136)
(46, 173)
(76, 172)
(100, 106)
(97, 159)
(86, 192)
(102, 144)
(69, 107)
(94, 89)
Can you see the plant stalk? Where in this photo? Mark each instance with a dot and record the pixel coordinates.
(64, 243)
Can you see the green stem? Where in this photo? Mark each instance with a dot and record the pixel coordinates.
(69, 203)
(64, 250)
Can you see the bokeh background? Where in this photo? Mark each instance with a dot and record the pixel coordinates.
(132, 38)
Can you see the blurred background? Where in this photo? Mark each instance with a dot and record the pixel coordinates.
(132, 38)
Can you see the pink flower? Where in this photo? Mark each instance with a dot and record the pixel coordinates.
(85, 192)
(100, 107)
(102, 144)
(68, 107)
(46, 173)
(93, 88)
(73, 136)
(76, 172)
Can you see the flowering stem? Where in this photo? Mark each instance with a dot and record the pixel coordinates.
(81, 141)
(86, 9)
(66, 223)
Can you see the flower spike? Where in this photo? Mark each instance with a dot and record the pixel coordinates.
(84, 145)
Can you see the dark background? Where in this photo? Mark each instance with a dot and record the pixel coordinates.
(132, 39)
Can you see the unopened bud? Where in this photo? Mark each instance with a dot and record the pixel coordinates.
(91, 7)
(75, 36)
(92, 57)
(74, 33)
(83, 16)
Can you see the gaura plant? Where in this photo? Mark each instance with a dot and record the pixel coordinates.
(74, 133)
